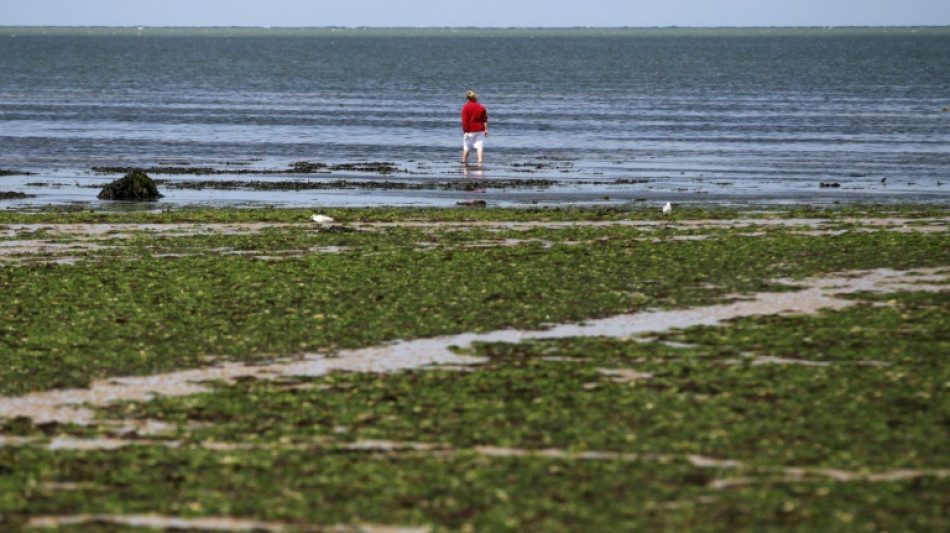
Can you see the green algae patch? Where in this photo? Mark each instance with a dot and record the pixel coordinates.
(315, 487)
(153, 304)
(721, 394)
(831, 421)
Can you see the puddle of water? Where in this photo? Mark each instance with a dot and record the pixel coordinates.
(119, 230)
(804, 474)
(154, 521)
(808, 475)
(40, 246)
(756, 360)
(625, 375)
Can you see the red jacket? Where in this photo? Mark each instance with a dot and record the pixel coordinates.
(474, 117)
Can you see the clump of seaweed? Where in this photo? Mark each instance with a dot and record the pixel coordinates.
(134, 186)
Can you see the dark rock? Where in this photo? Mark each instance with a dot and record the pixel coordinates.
(136, 186)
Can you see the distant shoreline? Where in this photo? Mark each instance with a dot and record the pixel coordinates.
(238, 31)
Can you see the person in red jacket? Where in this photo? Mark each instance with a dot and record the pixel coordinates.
(474, 127)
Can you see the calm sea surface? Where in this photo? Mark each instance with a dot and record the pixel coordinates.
(589, 116)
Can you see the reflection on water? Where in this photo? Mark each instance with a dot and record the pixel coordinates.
(473, 172)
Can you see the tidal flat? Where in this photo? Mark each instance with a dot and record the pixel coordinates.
(559, 369)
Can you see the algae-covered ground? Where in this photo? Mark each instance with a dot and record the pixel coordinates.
(476, 370)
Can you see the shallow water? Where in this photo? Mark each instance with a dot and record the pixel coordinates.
(603, 116)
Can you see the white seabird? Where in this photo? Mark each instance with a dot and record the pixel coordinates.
(321, 219)
(668, 208)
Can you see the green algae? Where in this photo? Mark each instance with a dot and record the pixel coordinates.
(136, 311)
(879, 402)
(151, 303)
(82, 214)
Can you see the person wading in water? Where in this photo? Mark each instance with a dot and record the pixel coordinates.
(474, 127)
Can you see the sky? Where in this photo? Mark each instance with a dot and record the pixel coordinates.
(474, 13)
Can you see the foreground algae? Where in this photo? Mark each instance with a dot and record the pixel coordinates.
(144, 302)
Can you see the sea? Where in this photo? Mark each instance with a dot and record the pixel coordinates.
(318, 117)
